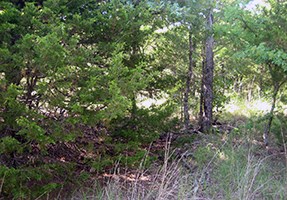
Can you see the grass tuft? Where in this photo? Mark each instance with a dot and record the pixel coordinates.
(235, 169)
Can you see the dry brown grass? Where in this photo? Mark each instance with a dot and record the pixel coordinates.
(239, 171)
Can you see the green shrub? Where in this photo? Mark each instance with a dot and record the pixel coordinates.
(279, 128)
(99, 164)
(146, 125)
(26, 183)
(184, 139)
(9, 145)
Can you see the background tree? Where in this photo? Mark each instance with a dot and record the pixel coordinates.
(207, 73)
(258, 37)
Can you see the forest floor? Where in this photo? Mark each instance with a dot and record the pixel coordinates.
(223, 165)
(230, 163)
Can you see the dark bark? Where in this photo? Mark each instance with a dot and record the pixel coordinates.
(208, 76)
(271, 114)
(181, 107)
(187, 85)
(250, 90)
(201, 105)
(277, 81)
(276, 89)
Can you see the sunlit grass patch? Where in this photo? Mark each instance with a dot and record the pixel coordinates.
(247, 109)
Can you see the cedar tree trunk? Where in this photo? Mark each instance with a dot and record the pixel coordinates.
(208, 77)
(187, 86)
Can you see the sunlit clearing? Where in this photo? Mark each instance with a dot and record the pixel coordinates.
(245, 108)
(145, 102)
(166, 29)
(253, 4)
(232, 108)
(260, 106)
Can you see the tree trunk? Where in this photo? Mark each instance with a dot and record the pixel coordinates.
(208, 76)
(271, 114)
(201, 103)
(278, 81)
(250, 90)
(187, 85)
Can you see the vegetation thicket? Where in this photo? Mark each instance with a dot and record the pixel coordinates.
(75, 76)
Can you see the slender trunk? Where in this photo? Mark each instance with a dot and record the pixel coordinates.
(208, 76)
(260, 89)
(201, 105)
(271, 114)
(181, 106)
(187, 86)
(277, 83)
(277, 87)
(250, 90)
(223, 75)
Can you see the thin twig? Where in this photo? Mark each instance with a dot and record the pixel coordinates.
(2, 183)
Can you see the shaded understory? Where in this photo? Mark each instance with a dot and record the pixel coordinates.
(231, 163)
